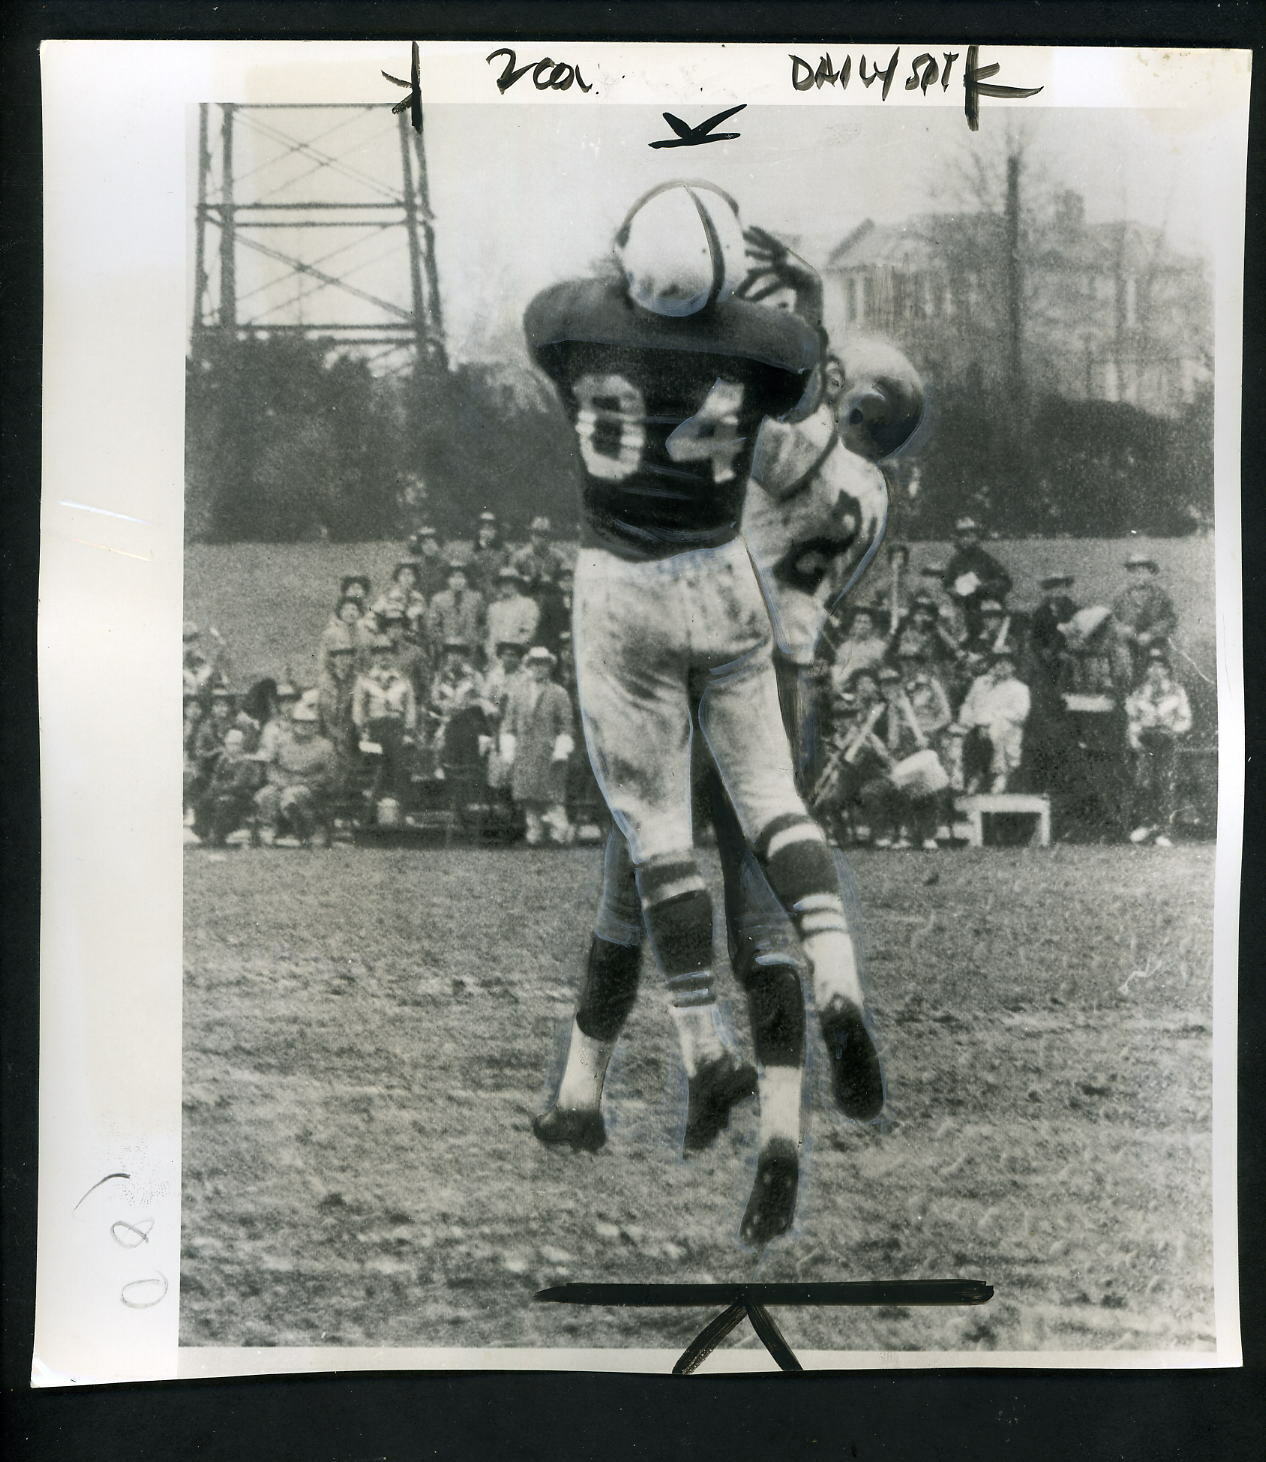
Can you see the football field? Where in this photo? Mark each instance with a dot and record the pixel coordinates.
(369, 1031)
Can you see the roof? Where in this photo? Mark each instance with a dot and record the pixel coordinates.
(928, 240)
(919, 241)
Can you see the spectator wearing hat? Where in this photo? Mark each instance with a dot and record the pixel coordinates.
(1144, 613)
(402, 597)
(1047, 734)
(300, 779)
(411, 659)
(920, 637)
(538, 561)
(432, 562)
(910, 812)
(948, 612)
(555, 601)
(1047, 645)
(209, 737)
(536, 743)
(512, 617)
(277, 718)
(494, 683)
(355, 586)
(996, 631)
(348, 629)
(993, 717)
(230, 793)
(494, 691)
(489, 555)
(1095, 775)
(972, 575)
(385, 713)
(456, 614)
(1158, 716)
(458, 713)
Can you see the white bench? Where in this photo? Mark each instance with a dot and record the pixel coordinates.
(974, 810)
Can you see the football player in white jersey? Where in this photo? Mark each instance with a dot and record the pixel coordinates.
(811, 526)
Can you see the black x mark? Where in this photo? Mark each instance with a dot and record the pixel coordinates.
(688, 136)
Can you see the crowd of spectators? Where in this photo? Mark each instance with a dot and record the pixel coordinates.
(455, 681)
(949, 692)
(456, 678)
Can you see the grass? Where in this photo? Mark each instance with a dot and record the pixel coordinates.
(271, 601)
(368, 1033)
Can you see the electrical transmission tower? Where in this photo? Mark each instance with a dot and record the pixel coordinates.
(314, 220)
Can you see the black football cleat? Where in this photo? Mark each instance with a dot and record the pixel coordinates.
(581, 1130)
(714, 1089)
(855, 1071)
(772, 1206)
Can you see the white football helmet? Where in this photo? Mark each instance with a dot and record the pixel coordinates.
(681, 248)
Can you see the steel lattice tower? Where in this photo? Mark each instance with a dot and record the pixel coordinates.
(322, 227)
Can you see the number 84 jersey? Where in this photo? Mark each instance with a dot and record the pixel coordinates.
(666, 410)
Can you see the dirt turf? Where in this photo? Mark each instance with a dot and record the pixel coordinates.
(368, 1032)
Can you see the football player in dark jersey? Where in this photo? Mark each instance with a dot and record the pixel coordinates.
(667, 380)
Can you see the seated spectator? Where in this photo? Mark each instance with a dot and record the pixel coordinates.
(538, 561)
(277, 725)
(385, 714)
(948, 613)
(993, 718)
(455, 693)
(489, 555)
(972, 575)
(403, 598)
(995, 633)
(348, 629)
(920, 637)
(214, 727)
(456, 615)
(300, 779)
(1158, 715)
(536, 743)
(230, 793)
(555, 601)
(432, 563)
(862, 648)
(512, 617)
(1144, 614)
(926, 695)
(855, 771)
(916, 774)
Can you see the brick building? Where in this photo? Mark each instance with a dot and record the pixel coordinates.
(1108, 311)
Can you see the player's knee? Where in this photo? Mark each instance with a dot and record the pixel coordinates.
(610, 988)
(797, 861)
(776, 1006)
(678, 913)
